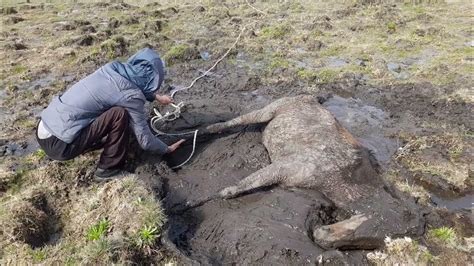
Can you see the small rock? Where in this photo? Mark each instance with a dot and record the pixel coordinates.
(471, 43)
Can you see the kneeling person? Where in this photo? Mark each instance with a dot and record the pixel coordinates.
(100, 110)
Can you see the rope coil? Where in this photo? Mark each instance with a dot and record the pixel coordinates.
(158, 119)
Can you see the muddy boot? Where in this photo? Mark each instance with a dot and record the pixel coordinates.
(104, 175)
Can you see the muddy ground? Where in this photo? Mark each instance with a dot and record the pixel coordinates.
(397, 76)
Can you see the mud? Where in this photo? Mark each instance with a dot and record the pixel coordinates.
(274, 226)
(366, 123)
(271, 226)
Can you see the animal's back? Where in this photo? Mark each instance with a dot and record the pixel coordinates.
(303, 126)
(307, 136)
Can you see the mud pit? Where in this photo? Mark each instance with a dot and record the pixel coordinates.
(270, 226)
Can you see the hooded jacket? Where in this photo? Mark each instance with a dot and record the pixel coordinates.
(127, 85)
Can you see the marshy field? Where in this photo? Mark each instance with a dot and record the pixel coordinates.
(397, 74)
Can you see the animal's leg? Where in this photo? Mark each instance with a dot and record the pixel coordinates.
(263, 115)
(270, 175)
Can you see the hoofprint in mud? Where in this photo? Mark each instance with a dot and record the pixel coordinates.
(310, 149)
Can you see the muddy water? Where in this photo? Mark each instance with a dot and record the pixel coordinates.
(464, 203)
(366, 123)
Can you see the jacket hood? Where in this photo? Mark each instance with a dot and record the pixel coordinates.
(145, 69)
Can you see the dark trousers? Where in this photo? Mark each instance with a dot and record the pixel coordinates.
(109, 131)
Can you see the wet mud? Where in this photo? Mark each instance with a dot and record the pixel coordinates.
(270, 226)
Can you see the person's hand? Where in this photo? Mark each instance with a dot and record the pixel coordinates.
(164, 99)
(175, 145)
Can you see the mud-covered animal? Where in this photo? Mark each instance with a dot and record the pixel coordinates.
(310, 149)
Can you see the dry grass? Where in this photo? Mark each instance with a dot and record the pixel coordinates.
(442, 156)
(52, 208)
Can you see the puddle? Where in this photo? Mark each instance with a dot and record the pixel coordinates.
(366, 123)
(334, 62)
(465, 203)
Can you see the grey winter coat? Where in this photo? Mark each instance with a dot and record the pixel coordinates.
(81, 104)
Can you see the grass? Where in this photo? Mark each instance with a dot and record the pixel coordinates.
(178, 53)
(278, 62)
(19, 69)
(444, 234)
(40, 154)
(401, 251)
(98, 230)
(114, 47)
(39, 255)
(452, 166)
(320, 76)
(391, 27)
(14, 182)
(147, 236)
(276, 32)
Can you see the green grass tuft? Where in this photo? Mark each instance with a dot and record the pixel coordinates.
(391, 27)
(18, 69)
(277, 62)
(179, 53)
(445, 234)
(98, 230)
(40, 154)
(147, 236)
(38, 255)
(321, 76)
(276, 32)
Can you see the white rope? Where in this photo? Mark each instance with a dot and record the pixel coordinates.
(170, 116)
(174, 91)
